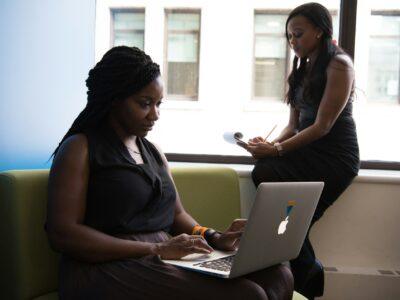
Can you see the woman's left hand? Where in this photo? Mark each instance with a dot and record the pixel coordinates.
(259, 149)
(229, 239)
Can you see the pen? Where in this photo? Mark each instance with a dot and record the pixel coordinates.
(273, 128)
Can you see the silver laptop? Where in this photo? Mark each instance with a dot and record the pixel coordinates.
(274, 233)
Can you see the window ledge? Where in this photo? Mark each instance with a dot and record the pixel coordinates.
(364, 175)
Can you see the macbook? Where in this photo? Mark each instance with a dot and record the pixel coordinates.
(275, 231)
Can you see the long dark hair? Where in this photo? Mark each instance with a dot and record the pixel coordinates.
(121, 72)
(314, 80)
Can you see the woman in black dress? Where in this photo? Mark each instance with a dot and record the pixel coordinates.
(320, 141)
(113, 210)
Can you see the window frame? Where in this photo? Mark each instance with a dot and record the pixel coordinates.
(114, 10)
(179, 97)
(248, 160)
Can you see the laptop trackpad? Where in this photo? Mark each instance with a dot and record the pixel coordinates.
(196, 257)
(199, 257)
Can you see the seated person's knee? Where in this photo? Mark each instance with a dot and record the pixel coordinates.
(263, 173)
(250, 290)
(283, 287)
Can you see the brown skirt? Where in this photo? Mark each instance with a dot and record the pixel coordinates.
(149, 278)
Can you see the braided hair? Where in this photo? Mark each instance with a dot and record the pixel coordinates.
(122, 72)
(314, 80)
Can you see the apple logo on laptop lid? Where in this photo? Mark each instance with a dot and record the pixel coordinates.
(283, 224)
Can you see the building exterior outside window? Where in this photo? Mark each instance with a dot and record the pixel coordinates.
(270, 55)
(384, 57)
(127, 27)
(182, 45)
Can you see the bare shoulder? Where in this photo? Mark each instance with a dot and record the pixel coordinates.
(69, 171)
(73, 150)
(341, 62)
(75, 143)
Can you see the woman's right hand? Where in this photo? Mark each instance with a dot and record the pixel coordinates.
(257, 139)
(182, 245)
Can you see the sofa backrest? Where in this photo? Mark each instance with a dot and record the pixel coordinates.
(210, 195)
(29, 268)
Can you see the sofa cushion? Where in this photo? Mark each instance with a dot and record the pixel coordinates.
(50, 296)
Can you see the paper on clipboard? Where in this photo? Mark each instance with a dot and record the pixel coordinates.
(234, 137)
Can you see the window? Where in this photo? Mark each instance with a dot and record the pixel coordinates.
(182, 39)
(384, 57)
(270, 55)
(127, 27)
(377, 68)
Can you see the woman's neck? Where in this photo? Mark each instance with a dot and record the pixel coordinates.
(312, 57)
(125, 137)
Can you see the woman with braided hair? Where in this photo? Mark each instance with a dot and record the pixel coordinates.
(113, 210)
(320, 141)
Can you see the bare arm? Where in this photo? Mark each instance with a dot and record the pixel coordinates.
(67, 189)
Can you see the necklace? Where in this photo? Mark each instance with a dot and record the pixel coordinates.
(134, 151)
(136, 155)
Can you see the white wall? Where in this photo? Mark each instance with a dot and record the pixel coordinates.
(46, 52)
(359, 235)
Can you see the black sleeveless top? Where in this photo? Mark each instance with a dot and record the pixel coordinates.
(124, 197)
(341, 142)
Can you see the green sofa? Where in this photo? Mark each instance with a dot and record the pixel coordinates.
(29, 266)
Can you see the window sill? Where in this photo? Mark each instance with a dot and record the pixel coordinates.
(364, 175)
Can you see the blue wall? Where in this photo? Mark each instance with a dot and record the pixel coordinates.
(47, 49)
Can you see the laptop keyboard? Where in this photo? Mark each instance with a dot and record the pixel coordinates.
(222, 264)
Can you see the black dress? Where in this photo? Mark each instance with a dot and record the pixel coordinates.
(333, 159)
(137, 202)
